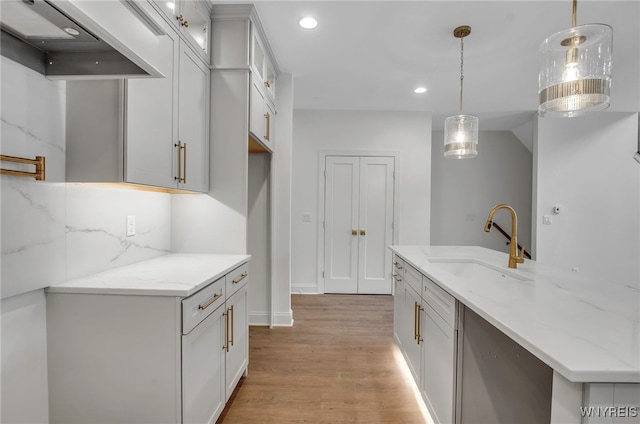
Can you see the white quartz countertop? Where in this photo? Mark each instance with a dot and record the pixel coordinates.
(168, 275)
(586, 330)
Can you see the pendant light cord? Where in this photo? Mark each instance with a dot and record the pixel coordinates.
(574, 14)
(461, 71)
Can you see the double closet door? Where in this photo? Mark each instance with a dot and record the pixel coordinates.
(358, 226)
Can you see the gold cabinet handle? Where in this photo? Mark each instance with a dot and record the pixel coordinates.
(396, 277)
(267, 116)
(419, 332)
(179, 177)
(210, 302)
(415, 321)
(226, 330)
(232, 327)
(185, 24)
(242, 277)
(354, 232)
(182, 162)
(397, 265)
(180, 18)
(363, 232)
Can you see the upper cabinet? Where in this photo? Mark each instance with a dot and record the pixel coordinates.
(261, 65)
(193, 123)
(152, 132)
(241, 46)
(191, 18)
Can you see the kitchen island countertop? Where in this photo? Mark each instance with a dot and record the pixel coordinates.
(586, 330)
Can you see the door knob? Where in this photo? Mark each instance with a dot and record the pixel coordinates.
(363, 232)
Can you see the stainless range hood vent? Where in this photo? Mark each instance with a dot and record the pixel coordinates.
(38, 35)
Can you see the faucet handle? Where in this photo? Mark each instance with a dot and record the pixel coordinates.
(520, 258)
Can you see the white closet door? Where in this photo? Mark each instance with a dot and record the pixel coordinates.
(359, 199)
(341, 219)
(376, 220)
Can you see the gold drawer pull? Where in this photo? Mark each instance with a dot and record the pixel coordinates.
(397, 265)
(215, 297)
(396, 277)
(242, 277)
(363, 232)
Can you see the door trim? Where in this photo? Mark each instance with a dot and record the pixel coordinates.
(322, 155)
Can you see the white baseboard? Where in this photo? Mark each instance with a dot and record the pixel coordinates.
(280, 319)
(304, 289)
(283, 319)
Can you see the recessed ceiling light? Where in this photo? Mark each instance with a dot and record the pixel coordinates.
(308, 22)
(420, 90)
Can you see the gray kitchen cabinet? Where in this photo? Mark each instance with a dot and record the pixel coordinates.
(425, 329)
(413, 338)
(191, 19)
(141, 352)
(398, 300)
(261, 66)
(244, 52)
(262, 116)
(439, 351)
(236, 345)
(151, 132)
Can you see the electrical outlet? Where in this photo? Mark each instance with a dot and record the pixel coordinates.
(131, 225)
(547, 219)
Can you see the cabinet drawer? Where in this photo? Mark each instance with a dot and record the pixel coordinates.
(201, 304)
(441, 301)
(237, 278)
(413, 277)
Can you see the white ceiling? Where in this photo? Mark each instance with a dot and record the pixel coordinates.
(372, 54)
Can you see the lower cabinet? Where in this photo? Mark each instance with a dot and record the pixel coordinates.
(438, 366)
(203, 388)
(425, 330)
(147, 358)
(398, 300)
(413, 340)
(237, 339)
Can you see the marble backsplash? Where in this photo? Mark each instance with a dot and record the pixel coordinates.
(52, 231)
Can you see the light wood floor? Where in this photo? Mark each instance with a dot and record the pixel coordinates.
(335, 365)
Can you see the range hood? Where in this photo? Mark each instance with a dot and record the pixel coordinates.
(60, 39)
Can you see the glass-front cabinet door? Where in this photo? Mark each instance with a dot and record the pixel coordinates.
(191, 17)
(195, 24)
(169, 8)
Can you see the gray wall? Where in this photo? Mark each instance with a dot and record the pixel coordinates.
(586, 165)
(464, 191)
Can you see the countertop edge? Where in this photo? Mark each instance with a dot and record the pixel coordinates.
(89, 284)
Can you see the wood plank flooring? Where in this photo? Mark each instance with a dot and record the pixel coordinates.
(335, 365)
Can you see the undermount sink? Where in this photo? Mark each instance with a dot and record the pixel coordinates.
(468, 268)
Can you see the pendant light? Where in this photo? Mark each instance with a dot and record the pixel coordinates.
(575, 70)
(461, 131)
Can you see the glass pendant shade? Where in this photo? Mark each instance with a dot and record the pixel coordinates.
(461, 136)
(575, 71)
